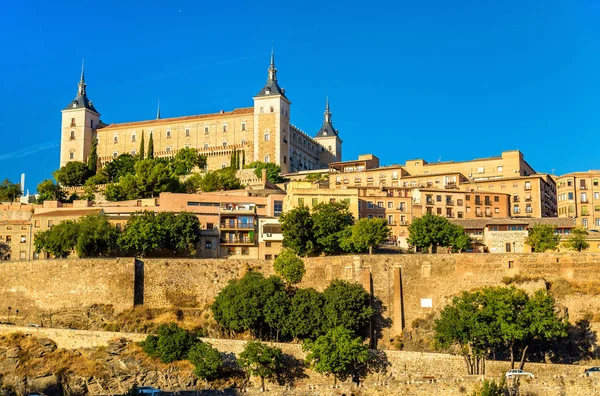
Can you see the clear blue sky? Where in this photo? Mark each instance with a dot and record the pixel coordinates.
(433, 79)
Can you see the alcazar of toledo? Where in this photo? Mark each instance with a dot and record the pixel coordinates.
(264, 132)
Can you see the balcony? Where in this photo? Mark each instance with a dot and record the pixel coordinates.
(515, 199)
(584, 200)
(527, 199)
(582, 187)
(449, 202)
(527, 187)
(237, 241)
(403, 223)
(237, 226)
(238, 208)
(429, 202)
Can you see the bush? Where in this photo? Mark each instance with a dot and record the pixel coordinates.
(207, 361)
(172, 343)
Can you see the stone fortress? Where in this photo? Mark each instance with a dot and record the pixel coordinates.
(264, 132)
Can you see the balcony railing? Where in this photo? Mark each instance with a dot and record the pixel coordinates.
(244, 226)
(244, 241)
(449, 202)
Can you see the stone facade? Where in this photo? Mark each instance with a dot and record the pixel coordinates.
(263, 132)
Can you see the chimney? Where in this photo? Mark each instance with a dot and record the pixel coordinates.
(264, 175)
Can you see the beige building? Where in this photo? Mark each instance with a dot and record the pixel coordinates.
(310, 194)
(263, 132)
(579, 198)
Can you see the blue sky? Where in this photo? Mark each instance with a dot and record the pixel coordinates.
(437, 79)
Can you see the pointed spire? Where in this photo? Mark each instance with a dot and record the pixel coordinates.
(158, 110)
(327, 112)
(81, 85)
(272, 69)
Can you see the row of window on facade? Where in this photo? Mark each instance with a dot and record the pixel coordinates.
(582, 183)
(73, 124)
(8, 239)
(168, 133)
(583, 210)
(583, 196)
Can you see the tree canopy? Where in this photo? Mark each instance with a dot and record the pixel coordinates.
(4, 250)
(49, 191)
(577, 240)
(9, 191)
(60, 240)
(150, 232)
(220, 180)
(289, 266)
(187, 159)
(339, 353)
(430, 230)
(123, 165)
(261, 360)
(498, 319)
(207, 361)
(296, 226)
(172, 343)
(273, 170)
(542, 238)
(348, 305)
(365, 235)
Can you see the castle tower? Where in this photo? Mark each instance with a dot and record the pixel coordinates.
(272, 122)
(329, 140)
(79, 122)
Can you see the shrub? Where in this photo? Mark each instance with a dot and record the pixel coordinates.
(172, 343)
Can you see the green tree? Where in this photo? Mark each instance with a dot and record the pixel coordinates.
(74, 173)
(59, 241)
(221, 180)
(4, 250)
(172, 343)
(542, 238)
(193, 183)
(306, 318)
(348, 305)
(289, 266)
(339, 353)
(276, 312)
(123, 165)
(491, 388)
(92, 160)
(296, 226)
(185, 160)
(577, 240)
(49, 191)
(207, 361)
(150, 232)
(273, 170)
(9, 192)
(365, 235)
(96, 236)
(261, 360)
(430, 230)
(142, 151)
(329, 221)
(240, 306)
(151, 147)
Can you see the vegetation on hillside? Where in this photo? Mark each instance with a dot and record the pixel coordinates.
(542, 238)
(430, 230)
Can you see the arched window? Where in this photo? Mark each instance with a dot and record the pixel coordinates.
(133, 138)
(267, 136)
(224, 144)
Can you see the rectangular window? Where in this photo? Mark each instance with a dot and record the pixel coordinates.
(267, 137)
(570, 195)
(206, 130)
(224, 128)
(438, 198)
(267, 159)
(300, 201)
(208, 245)
(315, 202)
(277, 208)
(71, 155)
(331, 200)
(73, 122)
(584, 222)
(481, 169)
(168, 149)
(8, 239)
(516, 209)
(507, 247)
(268, 257)
(23, 239)
(380, 204)
(390, 205)
(72, 135)
(187, 132)
(267, 244)
(168, 134)
(115, 139)
(583, 197)
(210, 226)
(369, 204)
(50, 223)
(460, 215)
(595, 182)
(496, 198)
(499, 168)
(36, 224)
(527, 185)
(133, 138)
(244, 126)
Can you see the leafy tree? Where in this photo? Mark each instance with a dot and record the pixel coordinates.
(296, 226)
(500, 320)
(289, 266)
(240, 306)
(154, 177)
(123, 165)
(329, 221)
(90, 189)
(142, 151)
(149, 232)
(273, 170)
(186, 159)
(59, 241)
(339, 353)
(317, 177)
(306, 319)
(430, 230)
(276, 312)
(491, 388)
(74, 173)
(150, 147)
(96, 236)
(207, 361)
(171, 344)
(49, 191)
(9, 192)
(577, 240)
(542, 238)
(365, 235)
(92, 160)
(347, 305)
(261, 360)
(221, 180)
(193, 183)
(4, 250)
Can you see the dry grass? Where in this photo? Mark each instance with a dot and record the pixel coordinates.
(562, 287)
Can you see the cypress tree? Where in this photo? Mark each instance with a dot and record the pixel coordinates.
(92, 160)
(142, 148)
(151, 147)
(243, 158)
(237, 160)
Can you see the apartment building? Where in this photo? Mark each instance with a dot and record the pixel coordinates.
(310, 194)
(460, 204)
(579, 198)
(394, 204)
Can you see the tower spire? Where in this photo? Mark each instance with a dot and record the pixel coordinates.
(81, 86)
(272, 69)
(158, 110)
(327, 112)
